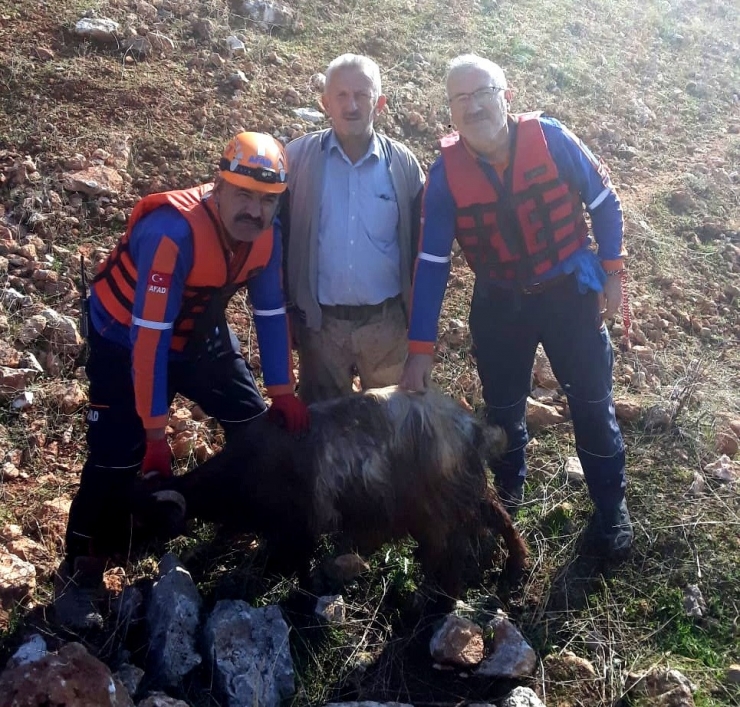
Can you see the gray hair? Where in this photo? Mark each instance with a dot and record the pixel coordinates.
(356, 61)
(473, 61)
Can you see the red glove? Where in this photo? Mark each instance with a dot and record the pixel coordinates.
(157, 459)
(291, 412)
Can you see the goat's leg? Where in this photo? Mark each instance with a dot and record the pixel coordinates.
(496, 518)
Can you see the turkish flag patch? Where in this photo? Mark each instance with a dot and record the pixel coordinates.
(160, 279)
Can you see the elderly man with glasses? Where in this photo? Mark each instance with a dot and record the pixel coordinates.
(514, 189)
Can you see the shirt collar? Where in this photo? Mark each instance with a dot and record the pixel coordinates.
(372, 150)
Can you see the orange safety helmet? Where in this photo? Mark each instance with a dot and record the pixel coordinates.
(255, 161)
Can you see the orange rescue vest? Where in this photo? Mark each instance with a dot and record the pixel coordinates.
(214, 275)
(536, 223)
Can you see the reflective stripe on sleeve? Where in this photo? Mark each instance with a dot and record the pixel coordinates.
(269, 312)
(160, 326)
(435, 258)
(599, 199)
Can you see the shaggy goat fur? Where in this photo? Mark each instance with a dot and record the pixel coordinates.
(377, 467)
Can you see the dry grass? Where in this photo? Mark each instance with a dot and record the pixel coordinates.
(658, 77)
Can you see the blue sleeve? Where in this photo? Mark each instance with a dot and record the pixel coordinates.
(161, 249)
(579, 167)
(433, 261)
(271, 321)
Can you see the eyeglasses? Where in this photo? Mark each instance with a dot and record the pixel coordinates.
(260, 174)
(482, 95)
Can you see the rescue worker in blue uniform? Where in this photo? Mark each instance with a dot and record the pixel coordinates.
(513, 190)
(157, 327)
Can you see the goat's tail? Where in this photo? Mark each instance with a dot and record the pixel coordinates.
(496, 519)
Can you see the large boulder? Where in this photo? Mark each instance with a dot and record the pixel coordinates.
(69, 678)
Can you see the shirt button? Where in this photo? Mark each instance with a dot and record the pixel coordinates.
(351, 242)
(352, 219)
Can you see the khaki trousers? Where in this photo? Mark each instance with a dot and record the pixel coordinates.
(373, 346)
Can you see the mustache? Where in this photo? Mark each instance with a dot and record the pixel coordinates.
(475, 117)
(246, 218)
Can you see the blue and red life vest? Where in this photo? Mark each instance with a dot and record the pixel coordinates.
(214, 273)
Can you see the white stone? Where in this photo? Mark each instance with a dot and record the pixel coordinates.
(32, 650)
(235, 45)
(98, 28)
(574, 471)
(309, 114)
(522, 697)
(724, 469)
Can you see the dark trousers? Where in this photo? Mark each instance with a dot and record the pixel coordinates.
(216, 376)
(506, 327)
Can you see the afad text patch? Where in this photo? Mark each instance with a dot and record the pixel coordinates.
(159, 282)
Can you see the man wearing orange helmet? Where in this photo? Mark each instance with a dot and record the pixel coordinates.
(157, 327)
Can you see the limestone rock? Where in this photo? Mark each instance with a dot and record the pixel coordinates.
(98, 29)
(662, 687)
(9, 356)
(540, 415)
(32, 650)
(512, 656)
(628, 410)
(15, 380)
(693, 602)
(173, 616)
(727, 443)
(250, 652)
(70, 678)
(331, 608)
(574, 471)
(317, 82)
(542, 371)
(130, 677)
(32, 328)
(458, 641)
(658, 419)
(522, 697)
(67, 396)
(161, 43)
(93, 181)
(571, 677)
(269, 15)
(51, 520)
(28, 550)
(724, 469)
(17, 579)
(160, 699)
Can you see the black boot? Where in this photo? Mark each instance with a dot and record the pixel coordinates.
(511, 494)
(612, 530)
(79, 592)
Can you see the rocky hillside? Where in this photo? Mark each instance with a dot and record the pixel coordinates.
(105, 101)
